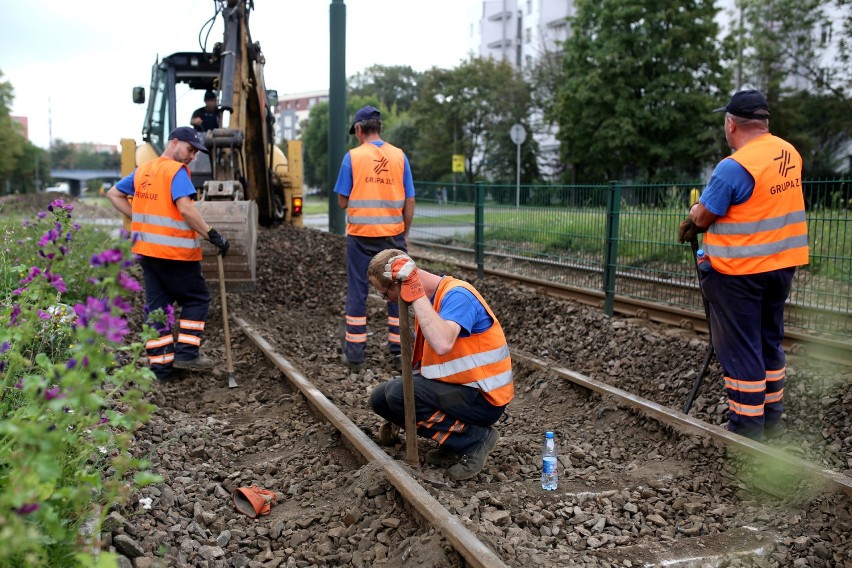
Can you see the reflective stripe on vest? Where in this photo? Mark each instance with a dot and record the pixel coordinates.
(481, 360)
(159, 230)
(768, 231)
(378, 194)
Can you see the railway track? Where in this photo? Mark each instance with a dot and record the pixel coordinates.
(631, 487)
(682, 491)
(799, 344)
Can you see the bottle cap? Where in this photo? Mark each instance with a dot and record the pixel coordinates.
(548, 434)
(699, 252)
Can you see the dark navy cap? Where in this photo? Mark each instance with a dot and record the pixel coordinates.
(188, 134)
(366, 113)
(209, 95)
(745, 104)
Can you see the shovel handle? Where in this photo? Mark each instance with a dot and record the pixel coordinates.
(411, 455)
(224, 300)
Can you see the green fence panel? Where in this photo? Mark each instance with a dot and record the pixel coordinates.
(558, 234)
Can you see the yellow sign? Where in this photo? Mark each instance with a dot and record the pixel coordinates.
(458, 163)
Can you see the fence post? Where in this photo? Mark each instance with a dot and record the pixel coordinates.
(479, 230)
(613, 209)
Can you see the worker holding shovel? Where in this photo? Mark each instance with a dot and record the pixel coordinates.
(462, 371)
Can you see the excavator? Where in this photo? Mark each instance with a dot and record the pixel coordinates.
(246, 180)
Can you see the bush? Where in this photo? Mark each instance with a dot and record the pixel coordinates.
(72, 394)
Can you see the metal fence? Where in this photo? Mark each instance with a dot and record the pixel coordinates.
(622, 239)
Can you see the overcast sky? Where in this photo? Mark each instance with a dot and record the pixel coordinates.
(81, 59)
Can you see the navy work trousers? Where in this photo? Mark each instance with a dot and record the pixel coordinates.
(455, 416)
(359, 252)
(168, 282)
(747, 323)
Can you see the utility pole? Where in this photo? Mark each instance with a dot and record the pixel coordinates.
(337, 130)
(49, 125)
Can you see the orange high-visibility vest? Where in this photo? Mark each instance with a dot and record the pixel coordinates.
(768, 231)
(159, 229)
(378, 194)
(480, 360)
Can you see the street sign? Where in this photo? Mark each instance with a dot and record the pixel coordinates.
(458, 163)
(518, 133)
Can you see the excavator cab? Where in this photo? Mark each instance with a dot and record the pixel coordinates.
(245, 180)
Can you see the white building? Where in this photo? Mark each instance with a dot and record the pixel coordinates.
(292, 109)
(519, 31)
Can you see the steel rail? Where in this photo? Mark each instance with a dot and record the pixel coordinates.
(474, 551)
(824, 349)
(794, 308)
(690, 425)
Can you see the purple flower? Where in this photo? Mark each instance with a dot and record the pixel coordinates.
(13, 317)
(93, 280)
(27, 508)
(43, 315)
(128, 283)
(50, 394)
(5, 347)
(2, 366)
(114, 328)
(72, 362)
(69, 237)
(57, 282)
(103, 420)
(57, 203)
(20, 241)
(85, 361)
(122, 305)
(34, 271)
(42, 214)
(93, 310)
(20, 384)
(110, 256)
(76, 226)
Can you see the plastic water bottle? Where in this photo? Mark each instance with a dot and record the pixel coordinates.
(549, 475)
(703, 260)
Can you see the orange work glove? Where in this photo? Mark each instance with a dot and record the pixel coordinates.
(253, 501)
(402, 269)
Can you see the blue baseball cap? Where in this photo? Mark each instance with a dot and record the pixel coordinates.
(366, 113)
(188, 134)
(745, 104)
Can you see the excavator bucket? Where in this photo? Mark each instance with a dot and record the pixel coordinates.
(237, 221)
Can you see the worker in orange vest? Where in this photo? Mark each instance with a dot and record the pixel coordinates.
(376, 188)
(166, 225)
(753, 212)
(461, 365)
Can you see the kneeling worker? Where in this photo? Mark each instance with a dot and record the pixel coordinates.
(461, 363)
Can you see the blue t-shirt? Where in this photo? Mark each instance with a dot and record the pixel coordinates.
(344, 178)
(461, 306)
(181, 185)
(730, 184)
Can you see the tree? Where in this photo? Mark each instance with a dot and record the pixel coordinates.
(395, 86)
(11, 140)
(32, 170)
(797, 52)
(469, 110)
(641, 79)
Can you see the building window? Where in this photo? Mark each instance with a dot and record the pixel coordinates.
(528, 35)
(529, 6)
(825, 35)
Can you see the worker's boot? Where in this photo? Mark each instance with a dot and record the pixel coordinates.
(388, 434)
(198, 364)
(440, 455)
(473, 460)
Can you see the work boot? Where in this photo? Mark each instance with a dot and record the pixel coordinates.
(473, 460)
(352, 366)
(774, 432)
(440, 455)
(396, 361)
(198, 364)
(388, 434)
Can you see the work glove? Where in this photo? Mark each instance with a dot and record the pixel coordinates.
(688, 231)
(218, 240)
(402, 269)
(253, 501)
